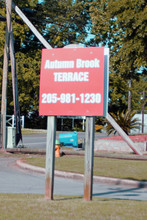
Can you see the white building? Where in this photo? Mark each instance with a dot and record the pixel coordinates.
(139, 116)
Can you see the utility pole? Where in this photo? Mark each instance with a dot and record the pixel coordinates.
(15, 89)
(129, 96)
(143, 99)
(5, 74)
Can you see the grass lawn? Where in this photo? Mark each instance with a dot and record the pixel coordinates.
(35, 207)
(127, 169)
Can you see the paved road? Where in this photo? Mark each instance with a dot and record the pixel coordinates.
(39, 140)
(15, 180)
(35, 141)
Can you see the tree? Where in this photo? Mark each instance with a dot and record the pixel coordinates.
(65, 22)
(121, 25)
(131, 18)
(125, 120)
(118, 93)
(138, 86)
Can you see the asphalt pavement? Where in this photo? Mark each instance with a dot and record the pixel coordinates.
(14, 179)
(38, 141)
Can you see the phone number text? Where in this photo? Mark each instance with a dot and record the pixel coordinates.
(71, 98)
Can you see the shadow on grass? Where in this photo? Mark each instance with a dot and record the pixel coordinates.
(82, 198)
(68, 198)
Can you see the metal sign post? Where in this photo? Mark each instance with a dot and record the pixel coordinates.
(89, 158)
(50, 157)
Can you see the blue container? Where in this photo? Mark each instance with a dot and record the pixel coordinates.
(69, 139)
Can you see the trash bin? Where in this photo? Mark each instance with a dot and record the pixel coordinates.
(69, 139)
(11, 137)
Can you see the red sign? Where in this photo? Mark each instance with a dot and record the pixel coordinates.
(72, 82)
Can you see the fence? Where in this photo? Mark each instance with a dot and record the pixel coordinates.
(11, 121)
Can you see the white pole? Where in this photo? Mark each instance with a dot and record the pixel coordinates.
(31, 26)
(13, 121)
(22, 121)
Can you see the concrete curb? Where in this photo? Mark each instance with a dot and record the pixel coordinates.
(78, 176)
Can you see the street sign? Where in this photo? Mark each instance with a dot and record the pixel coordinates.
(72, 82)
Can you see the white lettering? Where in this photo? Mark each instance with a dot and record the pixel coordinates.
(56, 64)
(88, 63)
(71, 76)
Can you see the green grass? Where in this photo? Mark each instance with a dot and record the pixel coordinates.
(126, 169)
(28, 131)
(35, 207)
